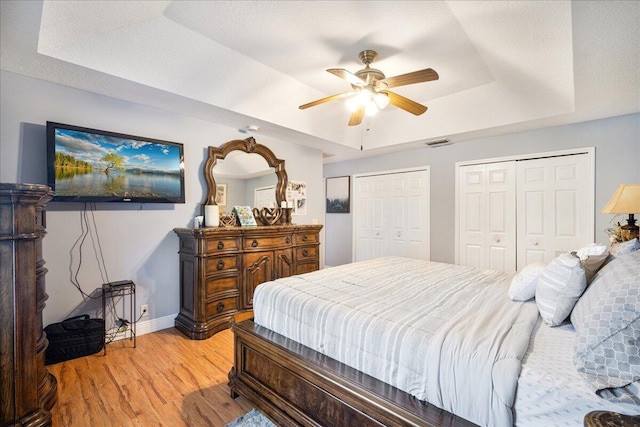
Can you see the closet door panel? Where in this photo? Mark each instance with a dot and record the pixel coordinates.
(417, 221)
(535, 212)
(474, 255)
(365, 230)
(487, 216)
(417, 226)
(497, 257)
(574, 203)
(397, 206)
(514, 213)
(555, 207)
(399, 216)
(501, 220)
(472, 215)
(534, 217)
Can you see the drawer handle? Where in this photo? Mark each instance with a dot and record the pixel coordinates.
(220, 265)
(220, 245)
(305, 252)
(304, 238)
(287, 240)
(220, 307)
(254, 244)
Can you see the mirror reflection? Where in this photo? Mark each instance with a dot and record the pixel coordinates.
(244, 179)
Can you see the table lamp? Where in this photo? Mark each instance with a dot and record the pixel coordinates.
(625, 200)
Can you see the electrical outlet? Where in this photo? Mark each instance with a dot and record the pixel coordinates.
(144, 310)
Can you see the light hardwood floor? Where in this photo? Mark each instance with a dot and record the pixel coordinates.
(168, 380)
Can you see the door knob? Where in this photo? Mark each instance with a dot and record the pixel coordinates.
(496, 239)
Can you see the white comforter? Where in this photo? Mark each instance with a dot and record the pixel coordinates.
(443, 333)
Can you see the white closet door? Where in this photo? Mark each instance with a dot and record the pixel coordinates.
(472, 215)
(369, 217)
(555, 207)
(392, 215)
(500, 239)
(487, 216)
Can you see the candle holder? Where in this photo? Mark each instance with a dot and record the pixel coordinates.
(285, 216)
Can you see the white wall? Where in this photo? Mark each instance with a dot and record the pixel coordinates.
(617, 142)
(137, 240)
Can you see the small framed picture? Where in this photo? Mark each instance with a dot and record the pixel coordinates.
(221, 194)
(245, 215)
(338, 194)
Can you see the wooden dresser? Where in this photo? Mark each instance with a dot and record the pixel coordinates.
(220, 268)
(27, 390)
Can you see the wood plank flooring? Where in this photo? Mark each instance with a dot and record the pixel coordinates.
(168, 380)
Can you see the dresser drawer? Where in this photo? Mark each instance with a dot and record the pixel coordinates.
(302, 238)
(222, 263)
(267, 242)
(222, 244)
(221, 306)
(222, 284)
(306, 253)
(306, 267)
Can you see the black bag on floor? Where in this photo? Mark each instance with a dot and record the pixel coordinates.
(74, 337)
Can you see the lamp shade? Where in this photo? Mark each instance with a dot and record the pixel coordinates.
(626, 200)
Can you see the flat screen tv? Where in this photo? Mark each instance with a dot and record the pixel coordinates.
(90, 165)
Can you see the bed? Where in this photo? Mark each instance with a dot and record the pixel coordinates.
(397, 341)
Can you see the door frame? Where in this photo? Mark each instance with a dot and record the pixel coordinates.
(590, 151)
(385, 172)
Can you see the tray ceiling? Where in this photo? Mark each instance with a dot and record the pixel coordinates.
(504, 66)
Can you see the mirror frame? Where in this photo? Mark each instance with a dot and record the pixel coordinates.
(249, 146)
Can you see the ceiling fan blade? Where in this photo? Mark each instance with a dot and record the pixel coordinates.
(327, 99)
(421, 76)
(348, 76)
(405, 103)
(356, 117)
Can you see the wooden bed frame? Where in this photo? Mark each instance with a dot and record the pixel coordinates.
(294, 385)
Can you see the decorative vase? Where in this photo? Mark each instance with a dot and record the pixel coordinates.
(211, 216)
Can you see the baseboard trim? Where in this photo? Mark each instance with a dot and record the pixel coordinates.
(152, 325)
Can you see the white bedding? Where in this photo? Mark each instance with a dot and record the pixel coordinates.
(551, 392)
(380, 317)
(414, 324)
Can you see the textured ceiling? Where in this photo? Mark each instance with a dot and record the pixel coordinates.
(503, 66)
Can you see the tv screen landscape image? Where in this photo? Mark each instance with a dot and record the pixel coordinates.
(92, 165)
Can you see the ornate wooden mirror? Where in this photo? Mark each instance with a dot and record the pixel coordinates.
(249, 146)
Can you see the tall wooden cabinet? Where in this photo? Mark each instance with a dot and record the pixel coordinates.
(27, 390)
(221, 267)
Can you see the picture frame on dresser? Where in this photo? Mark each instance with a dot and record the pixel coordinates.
(221, 194)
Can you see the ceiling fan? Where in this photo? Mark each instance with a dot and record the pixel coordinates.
(370, 92)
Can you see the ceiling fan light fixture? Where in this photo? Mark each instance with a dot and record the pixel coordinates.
(381, 99)
(369, 89)
(353, 103)
(371, 109)
(364, 96)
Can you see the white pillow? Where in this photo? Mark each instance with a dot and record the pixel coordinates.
(624, 248)
(559, 286)
(594, 249)
(523, 284)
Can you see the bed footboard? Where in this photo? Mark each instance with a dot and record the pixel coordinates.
(294, 385)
